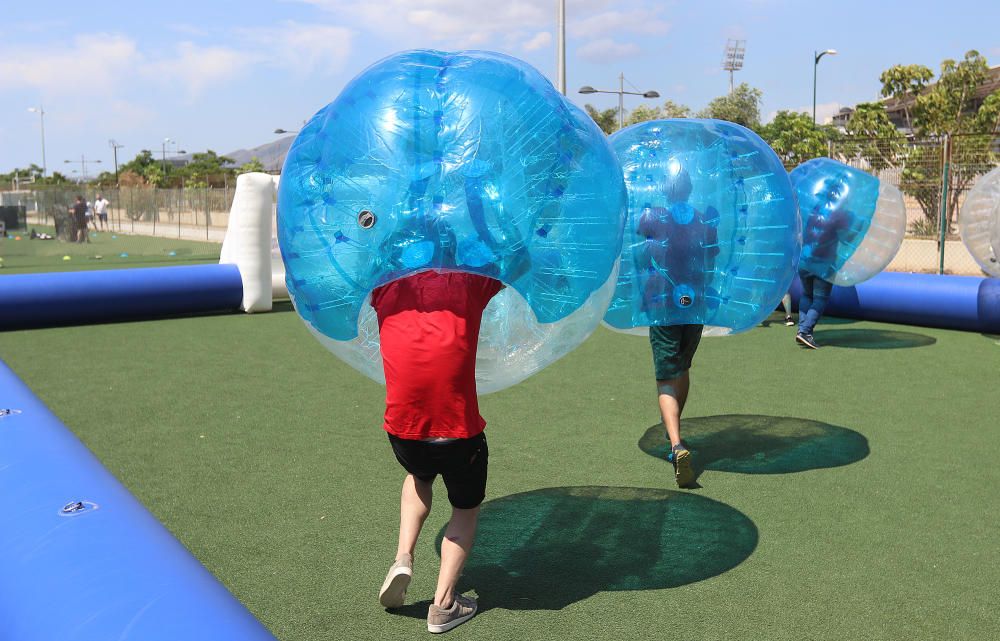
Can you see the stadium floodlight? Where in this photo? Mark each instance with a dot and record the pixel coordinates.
(732, 59)
(41, 120)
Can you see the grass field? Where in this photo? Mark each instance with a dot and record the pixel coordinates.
(846, 493)
(105, 251)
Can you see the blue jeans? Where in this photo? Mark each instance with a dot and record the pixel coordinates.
(812, 302)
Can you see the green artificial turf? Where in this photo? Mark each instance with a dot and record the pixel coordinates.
(106, 250)
(846, 493)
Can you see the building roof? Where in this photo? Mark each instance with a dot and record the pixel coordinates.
(895, 107)
(988, 86)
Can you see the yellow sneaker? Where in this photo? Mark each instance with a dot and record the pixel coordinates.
(680, 456)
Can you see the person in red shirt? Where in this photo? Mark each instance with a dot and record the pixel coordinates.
(428, 332)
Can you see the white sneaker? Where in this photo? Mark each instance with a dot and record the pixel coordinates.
(393, 592)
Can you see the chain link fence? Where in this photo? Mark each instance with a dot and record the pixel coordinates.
(195, 214)
(144, 226)
(935, 176)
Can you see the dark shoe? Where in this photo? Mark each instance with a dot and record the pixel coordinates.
(807, 340)
(788, 321)
(393, 592)
(680, 457)
(439, 619)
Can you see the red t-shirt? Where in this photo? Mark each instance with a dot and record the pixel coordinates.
(428, 330)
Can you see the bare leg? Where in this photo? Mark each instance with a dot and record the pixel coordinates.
(455, 548)
(414, 506)
(672, 397)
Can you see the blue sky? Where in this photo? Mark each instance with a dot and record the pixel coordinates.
(222, 75)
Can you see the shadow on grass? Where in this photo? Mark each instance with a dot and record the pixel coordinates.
(751, 444)
(833, 320)
(549, 548)
(779, 320)
(871, 338)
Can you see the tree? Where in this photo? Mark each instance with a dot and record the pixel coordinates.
(794, 138)
(742, 106)
(206, 169)
(143, 160)
(21, 176)
(873, 137)
(671, 109)
(105, 179)
(642, 113)
(55, 178)
(607, 120)
(905, 82)
(129, 178)
(946, 110)
(254, 164)
(154, 175)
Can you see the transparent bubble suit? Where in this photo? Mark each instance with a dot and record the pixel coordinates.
(467, 161)
(979, 222)
(712, 231)
(852, 223)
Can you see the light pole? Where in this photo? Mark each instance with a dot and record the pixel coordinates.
(114, 148)
(816, 56)
(83, 166)
(561, 47)
(163, 155)
(621, 96)
(41, 119)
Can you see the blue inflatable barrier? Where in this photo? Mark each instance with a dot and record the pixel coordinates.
(81, 558)
(954, 302)
(77, 298)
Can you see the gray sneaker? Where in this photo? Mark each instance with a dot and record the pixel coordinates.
(807, 340)
(461, 610)
(393, 592)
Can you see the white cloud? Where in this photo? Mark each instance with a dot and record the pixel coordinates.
(195, 67)
(461, 23)
(187, 29)
(301, 48)
(638, 21)
(540, 39)
(608, 50)
(453, 24)
(89, 62)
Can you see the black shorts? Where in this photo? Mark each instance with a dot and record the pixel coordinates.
(673, 349)
(461, 463)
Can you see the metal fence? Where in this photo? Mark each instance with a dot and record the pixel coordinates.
(190, 213)
(934, 175)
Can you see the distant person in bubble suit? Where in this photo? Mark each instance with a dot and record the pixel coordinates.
(824, 228)
(681, 246)
(429, 325)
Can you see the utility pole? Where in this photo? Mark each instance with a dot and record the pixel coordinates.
(114, 148)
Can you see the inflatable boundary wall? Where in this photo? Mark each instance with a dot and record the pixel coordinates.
(82, 559)
(969, 303)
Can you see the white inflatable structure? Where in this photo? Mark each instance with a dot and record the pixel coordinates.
(979, 222)
(251, 244)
